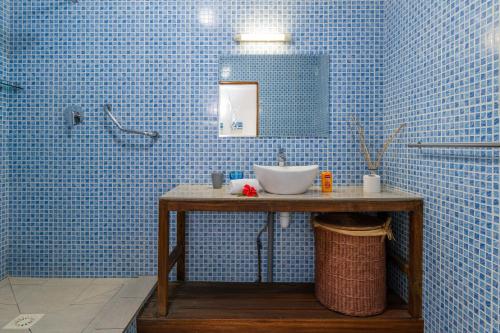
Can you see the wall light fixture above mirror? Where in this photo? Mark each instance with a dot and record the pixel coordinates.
(264, 37)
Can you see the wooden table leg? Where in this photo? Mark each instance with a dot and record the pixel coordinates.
(163, 258)
(181, 243)
(415, 264)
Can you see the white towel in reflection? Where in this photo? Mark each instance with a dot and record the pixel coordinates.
(236, 185)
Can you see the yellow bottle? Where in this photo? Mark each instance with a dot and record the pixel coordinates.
(326, 181)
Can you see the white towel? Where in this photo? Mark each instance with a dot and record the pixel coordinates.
(236, 185)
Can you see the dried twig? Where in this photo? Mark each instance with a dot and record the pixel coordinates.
(386, 145)
(364, 148)
(362, 142)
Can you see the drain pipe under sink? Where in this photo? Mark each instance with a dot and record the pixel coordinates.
(270, 249)
(270, 246)
(259, 254)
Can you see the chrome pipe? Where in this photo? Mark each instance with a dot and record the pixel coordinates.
(259, 255)
(107, 108)
(455, 145)
(270, 246)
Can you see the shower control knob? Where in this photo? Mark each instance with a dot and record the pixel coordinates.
(73, 115)
(77, 118)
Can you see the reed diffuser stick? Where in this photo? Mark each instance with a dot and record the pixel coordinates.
(373, 166)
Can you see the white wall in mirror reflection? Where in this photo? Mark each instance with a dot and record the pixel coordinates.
(238, 109)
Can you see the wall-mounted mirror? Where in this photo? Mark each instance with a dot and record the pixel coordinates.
(290, 97)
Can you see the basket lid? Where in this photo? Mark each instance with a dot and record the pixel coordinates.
(350, 221)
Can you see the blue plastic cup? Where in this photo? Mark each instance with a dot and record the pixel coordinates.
(235, 175)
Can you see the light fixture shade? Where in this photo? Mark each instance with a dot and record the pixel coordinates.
(264, 37)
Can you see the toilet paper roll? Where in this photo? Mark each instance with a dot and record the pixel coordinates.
(371, 184)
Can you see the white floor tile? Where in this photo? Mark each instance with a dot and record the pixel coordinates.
(7, 313)
(26, 280)
(98, 293)
(6, 295)
(59, 282)
(72, 319)
(118, 314)
(14, 331)
(120, 281)
(139, 287)
(47, 299)
(21, 291)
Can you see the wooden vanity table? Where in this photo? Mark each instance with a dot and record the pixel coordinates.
(246, 307)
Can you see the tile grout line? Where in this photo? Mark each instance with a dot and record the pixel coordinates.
(15, 299)
(90, 324)
(84, 289)
(13, 294)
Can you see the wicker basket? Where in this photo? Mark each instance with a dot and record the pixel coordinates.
(350, 263)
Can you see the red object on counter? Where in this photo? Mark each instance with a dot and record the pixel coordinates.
(249, 191)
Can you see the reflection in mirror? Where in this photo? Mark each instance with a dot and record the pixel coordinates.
(238, 108)
(293, 92)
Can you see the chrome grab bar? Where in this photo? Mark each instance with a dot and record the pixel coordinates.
(455, 145)
(154, 134)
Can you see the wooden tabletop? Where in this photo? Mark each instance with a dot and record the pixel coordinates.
(206, 193)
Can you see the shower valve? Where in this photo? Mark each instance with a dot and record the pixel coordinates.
(77, 118)
(73, 115)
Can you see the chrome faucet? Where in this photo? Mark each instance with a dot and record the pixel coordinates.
(281, 157)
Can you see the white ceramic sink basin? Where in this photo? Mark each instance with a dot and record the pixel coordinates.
(287, 179)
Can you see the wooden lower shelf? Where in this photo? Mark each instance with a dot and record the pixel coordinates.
(210, 307)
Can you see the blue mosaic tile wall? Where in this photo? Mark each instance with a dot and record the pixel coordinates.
(293, 92)
(132, 327)
(84, 201)
(442, 79)
(4, 185)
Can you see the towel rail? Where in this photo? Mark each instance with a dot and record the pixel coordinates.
(154, 134)
(455, 145)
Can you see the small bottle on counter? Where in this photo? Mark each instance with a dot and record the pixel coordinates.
(326, 181)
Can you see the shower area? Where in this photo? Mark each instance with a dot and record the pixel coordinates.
(74, 209)
(84, 177)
